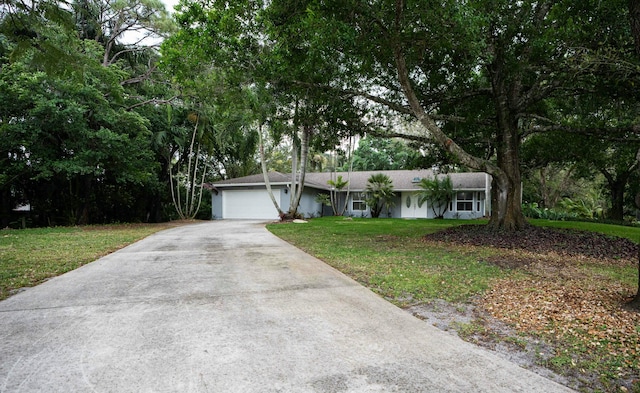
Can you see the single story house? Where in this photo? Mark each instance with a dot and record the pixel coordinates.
(247, 197)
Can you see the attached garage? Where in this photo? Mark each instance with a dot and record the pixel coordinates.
(249, 204)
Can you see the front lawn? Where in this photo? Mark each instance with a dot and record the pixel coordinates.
(559, 295)
(31, 256)
(389, 256)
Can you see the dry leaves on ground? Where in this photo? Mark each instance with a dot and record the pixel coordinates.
(564, 296)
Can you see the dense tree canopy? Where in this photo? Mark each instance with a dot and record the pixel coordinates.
(76, 143)
(480, 80)
(90, 120)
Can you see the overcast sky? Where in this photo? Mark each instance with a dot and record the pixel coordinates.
(170, 4)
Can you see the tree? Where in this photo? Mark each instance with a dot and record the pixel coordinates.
(481, 78)
(438, 192)
(76, 148)
(381, 154)
(83, 155)
(380, 193)
(607, 156)
(230, 40)
(187, 176)
(337, 186)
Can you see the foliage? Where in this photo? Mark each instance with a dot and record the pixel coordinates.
(379, 154)
(70, 141)
(581, 208)
(532, 210)
(567, 209)
(78, 143)
(323, 200)
(438, 192)
(609, 165)
(380, 194)
(337, 186)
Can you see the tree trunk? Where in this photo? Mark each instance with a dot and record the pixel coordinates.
(635, 303)
(506, 210)
(294, 172)
(5, 208)
(304, 152)
(83, 216)
(508, 215)
(616, 193)
(617, 200)
(265, 173)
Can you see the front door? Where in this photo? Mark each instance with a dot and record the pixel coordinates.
(410, 206)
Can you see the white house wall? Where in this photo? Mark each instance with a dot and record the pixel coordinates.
(254, 202)
(410, 208)
(478, 209)
(308, 206)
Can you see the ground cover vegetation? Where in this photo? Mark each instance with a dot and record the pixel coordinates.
(550, 298)
(31, 256)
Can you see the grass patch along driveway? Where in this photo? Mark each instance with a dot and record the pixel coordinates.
(565, 309)
(389, 257)
(31, 256)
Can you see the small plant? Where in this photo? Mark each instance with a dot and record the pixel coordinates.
(323, 200)
(380, 193)
(438, 192)
(337, 185)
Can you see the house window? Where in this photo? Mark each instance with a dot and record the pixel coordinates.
(357, 201)
(464, 201)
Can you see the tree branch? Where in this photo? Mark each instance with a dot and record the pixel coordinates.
(615, 134)
(152, 101)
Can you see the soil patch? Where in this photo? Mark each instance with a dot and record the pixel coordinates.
(541, 240)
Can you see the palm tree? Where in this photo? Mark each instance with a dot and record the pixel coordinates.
(439, 193)
(379, 193)
(337, 185)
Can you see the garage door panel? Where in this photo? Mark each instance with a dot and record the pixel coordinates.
(249, 204)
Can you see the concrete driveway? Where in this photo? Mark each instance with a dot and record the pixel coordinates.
(225, 306)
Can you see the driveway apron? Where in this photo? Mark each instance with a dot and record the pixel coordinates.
(224, 306)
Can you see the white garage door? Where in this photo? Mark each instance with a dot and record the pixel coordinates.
(249, 204)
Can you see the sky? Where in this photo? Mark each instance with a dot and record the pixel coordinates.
(170, 4)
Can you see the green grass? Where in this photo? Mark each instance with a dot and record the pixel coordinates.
(388, 256)
(31, 256)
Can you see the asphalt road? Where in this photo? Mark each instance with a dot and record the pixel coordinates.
(225, 306)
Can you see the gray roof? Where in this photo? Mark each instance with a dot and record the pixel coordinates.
(403, 180)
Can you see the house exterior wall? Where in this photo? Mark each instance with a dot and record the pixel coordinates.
(216, 205)
(308, 206)
(359, 209)
(468, 205)
(285, 198)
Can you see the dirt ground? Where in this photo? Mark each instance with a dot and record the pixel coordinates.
(562, 314)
